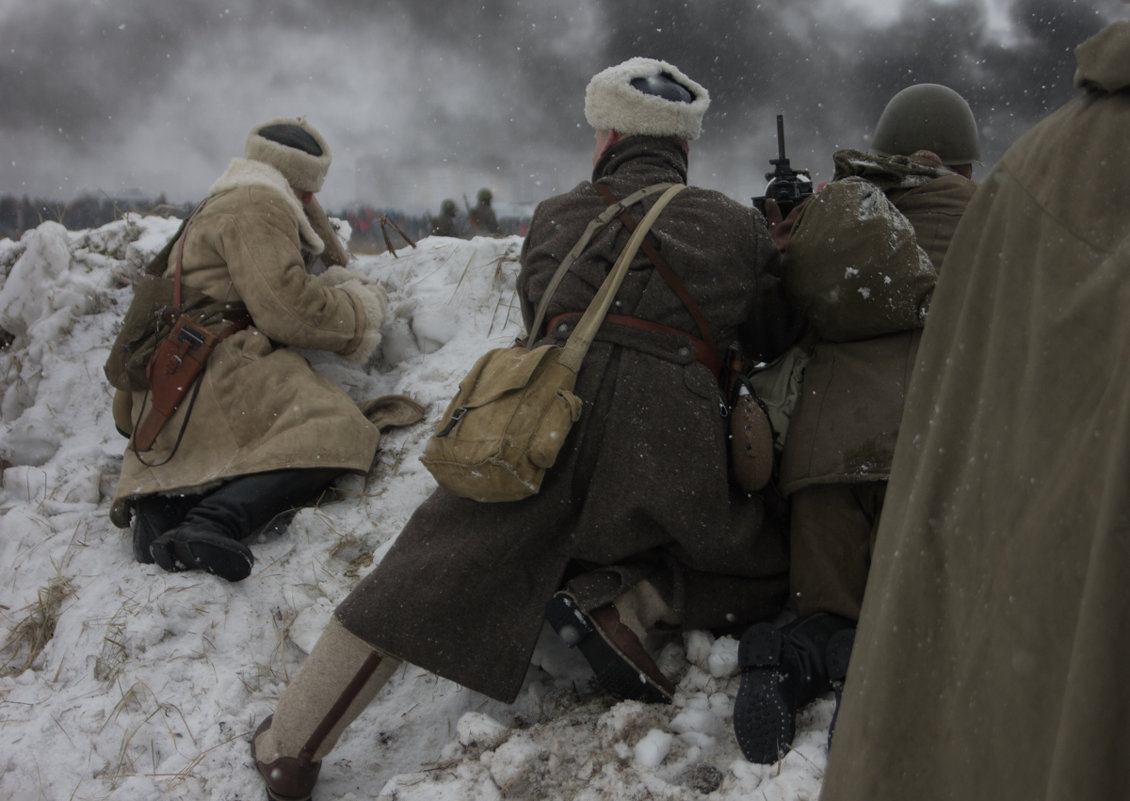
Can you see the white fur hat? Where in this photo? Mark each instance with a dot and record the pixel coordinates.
(646, 96)
(293, 147)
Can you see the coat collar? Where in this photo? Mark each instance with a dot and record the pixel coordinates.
(1104, 59)
(887, 172)
(659, 151)
(245, 173)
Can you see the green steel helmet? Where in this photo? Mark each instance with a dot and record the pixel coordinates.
(928, 116)
(485, 196)
(448, 207)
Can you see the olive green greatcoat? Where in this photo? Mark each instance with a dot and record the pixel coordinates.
(260, 405)
(992, 655)
(641, 482)
(847, 416)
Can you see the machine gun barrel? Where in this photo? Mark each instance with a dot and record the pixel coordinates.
(787, 187)
(781, 157)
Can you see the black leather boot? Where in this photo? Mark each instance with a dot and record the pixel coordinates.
(153, 515)
(209, 538)
(782, 671)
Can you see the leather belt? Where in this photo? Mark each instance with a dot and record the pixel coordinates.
(702, 350)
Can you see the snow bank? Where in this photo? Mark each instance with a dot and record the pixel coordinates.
(119, 681)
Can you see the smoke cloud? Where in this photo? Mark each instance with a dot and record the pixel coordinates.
(426, 99)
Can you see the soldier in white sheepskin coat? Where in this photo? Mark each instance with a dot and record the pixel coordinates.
(264, 432)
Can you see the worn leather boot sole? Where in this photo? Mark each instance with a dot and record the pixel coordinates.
(764, 717)
(196, 549)
(618, 659)
(287, 779)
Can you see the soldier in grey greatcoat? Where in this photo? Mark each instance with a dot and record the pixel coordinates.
(992, 658)
(636, 527)
(861, 260)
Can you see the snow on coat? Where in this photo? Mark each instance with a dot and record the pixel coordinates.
(847, 417)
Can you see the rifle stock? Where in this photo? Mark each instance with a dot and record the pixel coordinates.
(320, 222)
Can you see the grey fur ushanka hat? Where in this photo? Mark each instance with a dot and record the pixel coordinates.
(613, 103)
(293, 147)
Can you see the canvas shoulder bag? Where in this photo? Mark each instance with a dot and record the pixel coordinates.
(515, 408)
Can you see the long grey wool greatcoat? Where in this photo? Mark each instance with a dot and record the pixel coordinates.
(992, 655)
(642, 479)
(260, 405)
(848, 414)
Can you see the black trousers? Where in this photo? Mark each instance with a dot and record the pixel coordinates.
(237, 508)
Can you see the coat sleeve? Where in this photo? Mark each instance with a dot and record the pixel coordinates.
(264, 259)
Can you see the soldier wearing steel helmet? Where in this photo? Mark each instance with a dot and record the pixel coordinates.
(860, 259)
(444, 224)
(484, 222)
(929, 118)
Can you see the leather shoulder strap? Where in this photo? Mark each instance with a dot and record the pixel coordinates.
(578, 343)
(603, 219)
(180, 253)
(652, 252)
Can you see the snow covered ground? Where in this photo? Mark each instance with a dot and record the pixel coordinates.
(120, 681)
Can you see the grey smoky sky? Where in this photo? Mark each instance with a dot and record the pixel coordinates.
(426, 99)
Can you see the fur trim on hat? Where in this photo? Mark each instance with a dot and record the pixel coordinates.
(613, 104)
(303, 170)
(245, 172)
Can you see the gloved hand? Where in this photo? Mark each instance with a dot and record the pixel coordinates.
(336, 275)
(372, 298)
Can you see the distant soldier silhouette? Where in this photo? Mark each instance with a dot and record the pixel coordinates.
(483, 220)
(444, 224)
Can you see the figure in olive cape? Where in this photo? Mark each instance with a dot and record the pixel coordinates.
(483, 220)
(991, 660)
